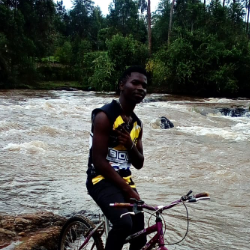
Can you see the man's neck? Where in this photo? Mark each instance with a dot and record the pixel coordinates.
(126, 106)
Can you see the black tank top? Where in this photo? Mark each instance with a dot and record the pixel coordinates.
(117, 156)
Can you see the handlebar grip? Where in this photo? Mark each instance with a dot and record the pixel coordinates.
(120, 205)
(204, 194)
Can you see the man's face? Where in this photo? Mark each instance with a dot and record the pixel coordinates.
(134, 88)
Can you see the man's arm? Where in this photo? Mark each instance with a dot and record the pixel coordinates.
(101, 133)
(136, 153)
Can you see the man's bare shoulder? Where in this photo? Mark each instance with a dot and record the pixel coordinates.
(101, 120)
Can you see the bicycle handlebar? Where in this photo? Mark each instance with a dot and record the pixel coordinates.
(140, 204)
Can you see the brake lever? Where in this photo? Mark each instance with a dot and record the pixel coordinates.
(132, 213)
(192, 200)
(187, 196)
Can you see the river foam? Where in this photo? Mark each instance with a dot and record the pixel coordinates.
(32, 147)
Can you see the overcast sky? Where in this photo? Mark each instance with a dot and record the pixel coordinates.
(104, 4)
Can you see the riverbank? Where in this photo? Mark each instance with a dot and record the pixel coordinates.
(57, 85)
(75, 85)
(70, 86)
(38, 231)
(34, 231)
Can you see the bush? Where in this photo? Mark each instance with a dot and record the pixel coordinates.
(157, 69)
(201, 64)
(49, 73)
(64, 53)
(126, 51)
(103, 76)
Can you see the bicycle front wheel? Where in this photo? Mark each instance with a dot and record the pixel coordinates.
(74, 233)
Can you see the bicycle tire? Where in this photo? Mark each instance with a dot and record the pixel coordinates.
(74, 233)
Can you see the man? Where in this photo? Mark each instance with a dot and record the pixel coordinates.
(115, 145)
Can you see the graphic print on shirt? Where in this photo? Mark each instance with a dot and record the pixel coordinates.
(118, 155)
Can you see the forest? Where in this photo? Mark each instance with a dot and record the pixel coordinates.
(189, 47)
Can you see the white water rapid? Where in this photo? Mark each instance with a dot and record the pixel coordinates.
(44, 151)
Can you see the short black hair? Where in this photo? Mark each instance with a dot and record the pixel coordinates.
(127, 73)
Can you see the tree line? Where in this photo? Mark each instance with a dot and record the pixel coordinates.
(187, 46)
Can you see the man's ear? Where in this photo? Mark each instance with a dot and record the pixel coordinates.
(121, 86)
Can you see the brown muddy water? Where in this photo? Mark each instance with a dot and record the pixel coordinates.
(44, 137)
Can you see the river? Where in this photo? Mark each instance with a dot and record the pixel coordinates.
(44, 137)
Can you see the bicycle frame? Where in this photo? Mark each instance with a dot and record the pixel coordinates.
(91, 233)
(158, 238)
(99, 227)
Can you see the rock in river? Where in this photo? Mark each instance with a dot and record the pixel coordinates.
(39, 231)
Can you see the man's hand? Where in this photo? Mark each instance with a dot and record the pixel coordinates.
(136, 151)
(131, 193)
(124, 137)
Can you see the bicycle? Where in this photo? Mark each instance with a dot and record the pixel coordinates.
(81, 233)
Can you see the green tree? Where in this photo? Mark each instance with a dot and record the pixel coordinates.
(20, 49)
(38, 24)
(126, 51)
(97, 24)
(80, 18)
(103, 75)
(149, 27)
(124, 17)
(64, 53)
(4, 62)
(62, 20)
(161, 24)
(248, 12)
(189, 14)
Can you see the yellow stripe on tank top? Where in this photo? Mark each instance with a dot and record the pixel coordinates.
(100, 177)
(134, 134)
(97, 179)
(128, 181)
